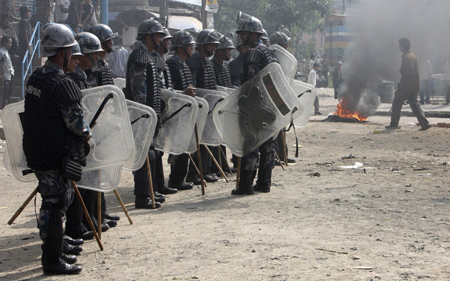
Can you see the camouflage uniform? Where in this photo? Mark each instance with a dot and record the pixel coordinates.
(100, 75)
(52, 116)
(143, 86)
(203, 77)
(181, 78)
(258, 57)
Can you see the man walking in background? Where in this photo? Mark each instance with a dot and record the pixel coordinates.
(408, 88)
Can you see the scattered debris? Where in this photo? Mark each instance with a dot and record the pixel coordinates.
(363, 268)
(357, 165)
(348, 157)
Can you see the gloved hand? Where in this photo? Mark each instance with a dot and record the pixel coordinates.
(77, 150)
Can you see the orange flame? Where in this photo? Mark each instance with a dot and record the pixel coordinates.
(344, 112)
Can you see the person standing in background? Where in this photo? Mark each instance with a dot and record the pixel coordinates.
(61, 10)
(43, 13)
(6, 70)
(24, 32)
(312, 79)
(408, 88)
(74, 16)
(425, 71)
(117, 60)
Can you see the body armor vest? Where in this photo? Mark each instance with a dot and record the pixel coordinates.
(45, 133)
(222, 73)
(153, 95)
(205, 77)
(163, 70)
(260, 56)
(100, 75)
(236, 66)
(79, 77)
(182, 77)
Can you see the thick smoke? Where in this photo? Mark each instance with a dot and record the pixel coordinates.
(374, 53)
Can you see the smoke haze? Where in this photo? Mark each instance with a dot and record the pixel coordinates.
(374, 53)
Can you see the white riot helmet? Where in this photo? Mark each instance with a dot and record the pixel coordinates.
(55, 37)
(76, 51)
(89, 43)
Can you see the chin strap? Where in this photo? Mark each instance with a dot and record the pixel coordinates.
(66, 60)
(246, 41)
(154, 42)
(208, 53)
(186, 52)
(91, 58)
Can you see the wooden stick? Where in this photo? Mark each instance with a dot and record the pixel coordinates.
(216, 163)
(283, 136)
(13, 218)
(86, 214)
(123, 206)
(225, 157)
(99, 214)
(238, 172)
(199, 156)
(196, 169)
(220, 157)
(279, 160)
(149, 172)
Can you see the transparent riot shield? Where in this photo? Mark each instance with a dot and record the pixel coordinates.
(287, 61)
(112, 140)
(176, 123)
(14, 154)
(306, 93)
(210, 135)
(104, 180)
(225, 89)
(203, 109)
(256, 111)
(120, 83)
(143, 123)
(6, 160)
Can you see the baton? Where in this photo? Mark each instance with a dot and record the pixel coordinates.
(100, 109)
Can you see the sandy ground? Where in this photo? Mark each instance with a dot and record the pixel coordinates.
(387, 220)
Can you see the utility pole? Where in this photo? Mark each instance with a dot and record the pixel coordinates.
(104, 11)
(163, 12)
(203, 14)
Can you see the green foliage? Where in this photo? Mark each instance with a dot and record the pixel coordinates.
(296, 15)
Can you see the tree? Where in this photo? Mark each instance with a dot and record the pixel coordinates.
(296, 15)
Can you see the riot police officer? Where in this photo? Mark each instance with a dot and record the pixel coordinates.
(203, 76)
(281, 38)
(256, 58)
(265, 38)
(54, 130)
(222, 55)
(101, 73)
(142, 86)
(183, 45)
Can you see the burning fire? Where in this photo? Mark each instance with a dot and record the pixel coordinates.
(344, 112)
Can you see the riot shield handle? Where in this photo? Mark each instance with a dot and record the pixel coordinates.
(100, 109)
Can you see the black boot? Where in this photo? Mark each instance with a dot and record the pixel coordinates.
(181, 185)
(52, 247)
(245, 184)
(74, 242)
(58, 266)
(111, 217)
(70, 259)
(262, 187)
(71, 250)
(144, 202)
